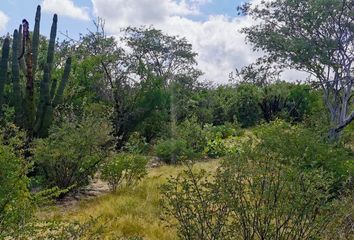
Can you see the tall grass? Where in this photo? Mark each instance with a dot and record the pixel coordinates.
(130, 211)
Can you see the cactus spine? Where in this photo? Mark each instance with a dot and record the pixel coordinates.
(4, 69)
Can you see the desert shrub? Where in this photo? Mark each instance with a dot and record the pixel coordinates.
(194, 135)
(15, 199)
(301, 102)
(305, 149)
(136, 144)
(71, 154)
(245, 105)
(173, 150)
(196, 206)
(123, 168)
(215, 147)
(221, 139)
(272, 200)
(253, 195)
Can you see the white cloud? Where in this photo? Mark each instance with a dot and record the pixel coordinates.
(4, 19)
(217, 40)
(66, 8)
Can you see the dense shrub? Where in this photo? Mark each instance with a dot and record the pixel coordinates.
(71, 154)
(123, 168)
(15, 199)
(245, 106)
(195, 202)
(173, 150)
(303, 148)
(194, 135)
(136, 144)
(253, 195)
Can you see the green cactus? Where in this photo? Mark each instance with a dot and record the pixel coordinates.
(4, 69)
(19, 50)
(16, 87)
(59, 94)
(35, 38)
(44, 97)
(25, 57)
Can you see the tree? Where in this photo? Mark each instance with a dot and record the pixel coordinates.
(167, 57)
(314, 36)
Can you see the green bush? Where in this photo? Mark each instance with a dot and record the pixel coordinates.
(193, 134)
(16, 206)
(73, 151)
(123, 168)
(136, 144)
(253, 195)
(303, 148)
(245, 105)
(173, 150)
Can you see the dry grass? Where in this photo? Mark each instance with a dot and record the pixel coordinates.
(129, 212)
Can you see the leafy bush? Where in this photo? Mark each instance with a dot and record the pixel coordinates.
(245, 106)
(254, 196)
(172, 150)
(15, 199)
(194, 135)
(123, 167)
(215, 147)
(71, 154)
(195, 202)
(136, 144)
(303, 148)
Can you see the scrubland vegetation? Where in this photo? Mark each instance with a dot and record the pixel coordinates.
(258, 158)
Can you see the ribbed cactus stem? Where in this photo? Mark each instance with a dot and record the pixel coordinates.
(19, 50)
(59, 95)
(53, 88)
(35, 38)
(4, 69)
(16, 87)
(44, 97)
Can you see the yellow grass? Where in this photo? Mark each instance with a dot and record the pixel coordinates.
(129, 212)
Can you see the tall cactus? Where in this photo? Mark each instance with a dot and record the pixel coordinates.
(35, 38)
(56, 96)
(16, 86)
(35, 120)
(44, 97)
(4, 69)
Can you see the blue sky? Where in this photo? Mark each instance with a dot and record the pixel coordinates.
(16, 10)
(212, 26)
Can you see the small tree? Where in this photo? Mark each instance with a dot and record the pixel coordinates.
(73, 151)
(314, 36)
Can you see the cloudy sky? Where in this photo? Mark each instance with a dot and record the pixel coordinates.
(212, 26)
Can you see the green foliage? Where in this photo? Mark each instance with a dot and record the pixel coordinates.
(195, 202)
(5, 52)
(255, 194)
(71, 154)
(301, 147)
(173, 150)
(245, 106)
(123, 168)
(194, 135)
(15, 200)
(136, 144)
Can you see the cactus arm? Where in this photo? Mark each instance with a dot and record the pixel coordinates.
(35, 38)
(4, 69)
(59, 95)
(16, 87)
(44, 97)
